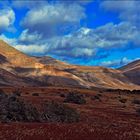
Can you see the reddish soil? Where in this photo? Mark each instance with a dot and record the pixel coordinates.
(106, 118)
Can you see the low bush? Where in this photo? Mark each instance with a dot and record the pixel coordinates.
(138, 111)
(35, 94)
(136, 91)
(62, 95)
(57, 112)
(123, 100)
(13, 109)
(96, 97)
(75, 98)
(2, 94)
(17, 92)
(136, 101)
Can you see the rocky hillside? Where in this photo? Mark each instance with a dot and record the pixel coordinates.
(132, 71)
(18, 68)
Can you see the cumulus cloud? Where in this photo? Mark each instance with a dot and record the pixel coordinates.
(53, 28)
(128, 10)
(53, 19)
(117, 63)
(84, 43)
(7, 18)
(33, 4)
(11, 41)
(27, 38)
(32, 49)
(29, 4)
(76, 1)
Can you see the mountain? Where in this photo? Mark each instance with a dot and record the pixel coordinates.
(10, 55)
(33, 72)
(132, 71)
(93, 76)
(20, 69)
(10, 79)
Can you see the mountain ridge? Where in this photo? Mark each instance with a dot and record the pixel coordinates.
(47, 71)
(132, 71)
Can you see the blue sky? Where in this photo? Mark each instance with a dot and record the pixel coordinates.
(85, 32)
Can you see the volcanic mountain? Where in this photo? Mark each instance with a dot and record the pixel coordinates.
(20, 69)
(132, 71)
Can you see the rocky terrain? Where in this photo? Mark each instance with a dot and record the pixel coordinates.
(132, 71)
(20, 69)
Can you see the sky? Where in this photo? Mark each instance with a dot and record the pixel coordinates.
(83, 32)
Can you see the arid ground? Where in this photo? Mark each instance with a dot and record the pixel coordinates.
(106, 115)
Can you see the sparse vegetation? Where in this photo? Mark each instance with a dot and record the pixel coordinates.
(96, 97)
(136, 101)
(14, 109)
(57, 112)
(17, 92)
(62, 95)
(2, 95)
(120, 91)
(123, 100)
(136, 91)
(100, 95)
(75, 98)
(138, 111)
(101, 91)
(35, 94)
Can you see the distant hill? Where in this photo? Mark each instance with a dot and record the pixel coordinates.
(20, 69)
(132, 71)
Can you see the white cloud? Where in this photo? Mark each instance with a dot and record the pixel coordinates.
(29, 4)
(33, 4)
(11, 41)
(53, 19)
(117, 63)
(7, 18)
(27, 38)
(87, 42)
(32, 49)
(128, 10)
(84, 43)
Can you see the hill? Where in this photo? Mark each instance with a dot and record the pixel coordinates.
(46, 71)
(132, 71)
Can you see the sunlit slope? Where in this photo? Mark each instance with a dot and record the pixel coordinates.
(32, 71)
(46, 71)
(15, 57)
(92, 76)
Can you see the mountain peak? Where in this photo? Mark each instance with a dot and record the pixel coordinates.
(14, 56)
(6, 48)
